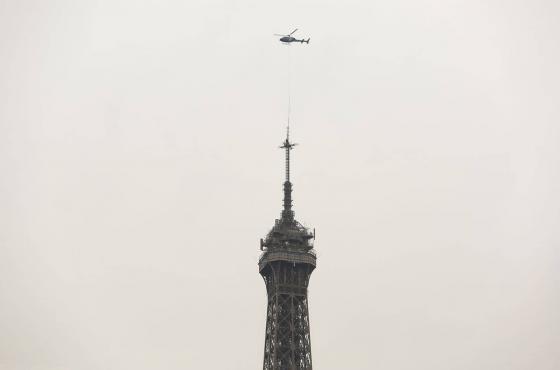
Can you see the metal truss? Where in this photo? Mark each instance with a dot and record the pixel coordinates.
(286, 264)
(287, 339)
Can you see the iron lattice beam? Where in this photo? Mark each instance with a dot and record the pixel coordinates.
(287, 336)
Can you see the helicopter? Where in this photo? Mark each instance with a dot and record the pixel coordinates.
(287, 39)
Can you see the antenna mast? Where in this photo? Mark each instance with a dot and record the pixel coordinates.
(287, 213)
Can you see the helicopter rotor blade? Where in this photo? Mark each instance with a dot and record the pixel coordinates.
(276, 34)
(294, 31)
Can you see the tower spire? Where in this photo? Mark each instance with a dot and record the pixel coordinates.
(286, 264)
(287, 213)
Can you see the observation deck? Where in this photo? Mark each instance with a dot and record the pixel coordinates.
(292, 256)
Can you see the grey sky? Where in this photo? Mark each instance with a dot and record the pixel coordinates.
(139, 161)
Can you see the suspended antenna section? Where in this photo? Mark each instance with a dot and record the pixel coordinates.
(287, 213)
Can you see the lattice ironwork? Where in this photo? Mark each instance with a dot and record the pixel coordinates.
(286, 265)
(287, 340)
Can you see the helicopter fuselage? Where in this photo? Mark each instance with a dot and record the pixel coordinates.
(288, 39)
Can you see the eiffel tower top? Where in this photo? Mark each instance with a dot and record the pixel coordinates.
(288, 234)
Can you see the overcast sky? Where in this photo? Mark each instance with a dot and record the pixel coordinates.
(140, 167)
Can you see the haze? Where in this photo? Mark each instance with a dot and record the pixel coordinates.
(140, 167)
